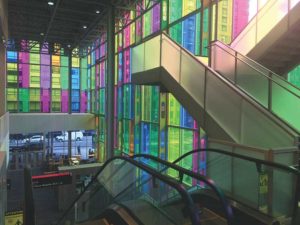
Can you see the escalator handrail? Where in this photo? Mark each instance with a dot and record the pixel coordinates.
(257, 162)
(227, 208)
(179, 187)
(217, 42)
(247, 158)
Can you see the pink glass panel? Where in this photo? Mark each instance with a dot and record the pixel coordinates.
(24, 75)
(102, 74)
(45, 100)
(240, 16)
(97, 78)
(45, 76)
(83, 102)
(64, 101)
(127, 66)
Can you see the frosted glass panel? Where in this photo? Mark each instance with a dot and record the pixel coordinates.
(152, 53)
(252, 82)
(138, 57)
(223, 105)
(286, 105)
(192, 77)
(223, 61)
(171, 58)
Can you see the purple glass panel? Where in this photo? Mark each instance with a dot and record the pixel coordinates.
(156, 18)
(64, 101)
(45, 100)
(83, 102)
(102, 74)
(45, 76)
(45, 48)
(97, 50)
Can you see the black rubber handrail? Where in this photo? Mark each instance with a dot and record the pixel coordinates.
(227, 208)
(258, 162)
(178, 187)
(247, 158)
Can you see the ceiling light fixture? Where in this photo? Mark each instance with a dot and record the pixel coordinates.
(69, 46)
(84, 26)
(50, 3)
(42, 34)
(97, 11)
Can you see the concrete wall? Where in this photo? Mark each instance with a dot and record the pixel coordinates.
(46, 122)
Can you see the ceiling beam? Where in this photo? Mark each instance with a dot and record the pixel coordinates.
(51, 20)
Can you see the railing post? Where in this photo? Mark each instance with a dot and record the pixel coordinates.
(270, 92)
(235, 67)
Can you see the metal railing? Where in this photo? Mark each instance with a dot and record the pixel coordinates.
(264, 86)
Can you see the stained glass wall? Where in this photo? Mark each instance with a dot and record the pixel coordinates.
(39, 82)
(146, 119)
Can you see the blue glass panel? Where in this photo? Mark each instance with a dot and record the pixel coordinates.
(189, 33)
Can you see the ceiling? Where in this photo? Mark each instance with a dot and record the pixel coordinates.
(71, 23)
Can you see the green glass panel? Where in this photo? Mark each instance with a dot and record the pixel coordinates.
(127, 101)
(102, 101)
(164, 13)
(186, 145)
(154, 104)
(173, 111)
(205, 34)
(198, 30)
(126, 131)
(137, 138)
(93, 78)
(294, 76)
(34, 58)
(146, 99)
(23, 100)
(83, 78)
(176, 33)
(64, 61)
(147, 24)
(137, 103)
(175, 10)
(154, 128)
(173, 147)
(64, 78)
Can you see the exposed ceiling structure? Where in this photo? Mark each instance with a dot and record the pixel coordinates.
(71, 23)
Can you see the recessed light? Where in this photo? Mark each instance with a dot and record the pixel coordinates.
(50, 3)
(42, 34)
(97, 11)
(84, 26)
(69, 46)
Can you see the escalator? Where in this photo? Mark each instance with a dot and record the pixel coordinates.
(260, 192)
(125, 191)
(271, 37)
(270, 90)
(223, 110)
